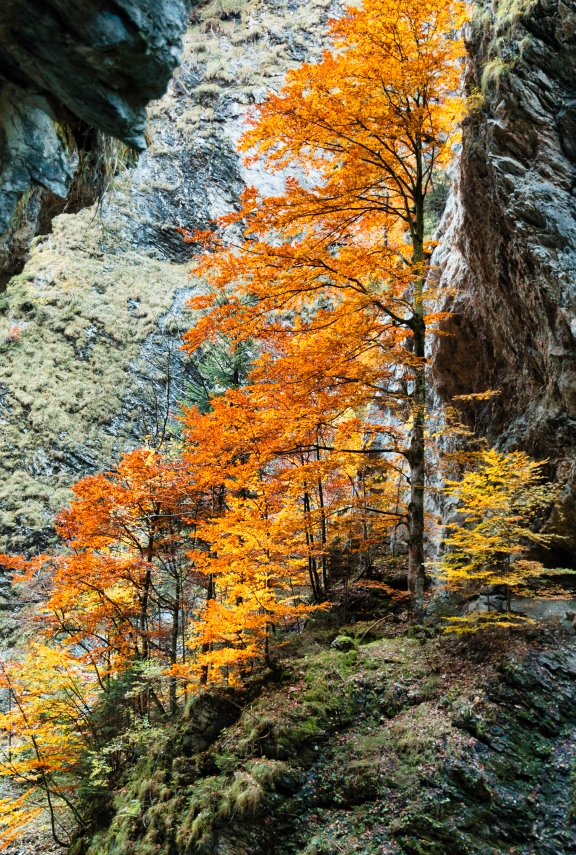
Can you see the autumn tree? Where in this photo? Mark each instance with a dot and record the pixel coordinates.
(112, 623)
(178, 572)
(499, 503)
(279, 505)
(123, 589)
(49, 697)
(332, 273)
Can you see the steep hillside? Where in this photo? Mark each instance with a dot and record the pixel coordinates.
(399, 745)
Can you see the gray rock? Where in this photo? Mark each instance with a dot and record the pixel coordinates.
(63, 61)
(491, 598)
(509, 243)
(343, 643)
(104, 64)
(206, 716)
(31, 151)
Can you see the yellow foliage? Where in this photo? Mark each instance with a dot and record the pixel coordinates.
(474, 622)
(15, 816)
(499, 502)
(47, 728)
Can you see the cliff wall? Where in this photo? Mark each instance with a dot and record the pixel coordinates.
(509, 237)
(399, 744)
(90, 330)
(69, 70)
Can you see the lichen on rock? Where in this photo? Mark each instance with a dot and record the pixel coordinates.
(64, 64)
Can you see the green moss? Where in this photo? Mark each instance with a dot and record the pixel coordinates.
(421, 835)
(572, 793)
(320, 845)
(502, 24)
(314, 756)
(511, 12)
(20, 214)
(494, 73)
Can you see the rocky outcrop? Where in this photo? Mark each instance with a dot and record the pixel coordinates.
(105, 63)
(66, 67)
(509, 241)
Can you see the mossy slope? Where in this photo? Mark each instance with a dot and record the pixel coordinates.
(401, 746)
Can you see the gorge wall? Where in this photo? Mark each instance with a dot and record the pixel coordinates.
(509, 237)
(90, 330)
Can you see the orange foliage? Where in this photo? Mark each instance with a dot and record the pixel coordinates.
(182, 569)
(126, 563)
(116, 604)
(287, 487)
(329, 277)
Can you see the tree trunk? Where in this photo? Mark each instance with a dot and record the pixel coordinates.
(324, 536)
(205, 648)
(144, 612)
(416, 572)
(174, 645)
(417, 451)
(312, 568)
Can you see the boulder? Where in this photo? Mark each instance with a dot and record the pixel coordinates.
(343, 643)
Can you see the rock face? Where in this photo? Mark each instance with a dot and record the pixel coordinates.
(64, 61)
(90, 330)
(104, 64)
(509, 242)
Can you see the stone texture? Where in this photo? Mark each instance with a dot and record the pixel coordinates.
(32, 151)
(509, 238)
(410, 747)
(104, 61)
(61, 61)
(100, 305)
